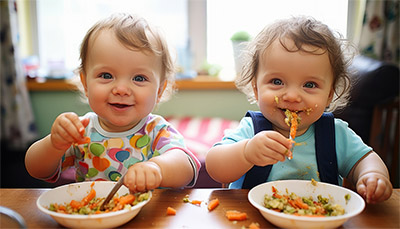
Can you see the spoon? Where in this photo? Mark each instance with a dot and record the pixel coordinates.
(112, 192)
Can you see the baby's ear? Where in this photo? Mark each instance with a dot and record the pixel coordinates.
(330, 98)
(255, 89)
(83, 80)
(161, 90)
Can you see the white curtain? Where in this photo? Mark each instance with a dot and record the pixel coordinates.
(379, 38)
(17, 122)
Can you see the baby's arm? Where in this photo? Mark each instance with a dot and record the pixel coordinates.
(372, 179)
(171, 169)
(227, 163)
(43, 157)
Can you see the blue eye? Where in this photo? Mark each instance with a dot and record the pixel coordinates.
(276, 82)
(106, 76)
(139, 78)
(310, 85)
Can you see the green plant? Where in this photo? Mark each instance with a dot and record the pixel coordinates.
(240, 36)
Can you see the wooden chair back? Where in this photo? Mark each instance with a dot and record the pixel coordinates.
(384, 136)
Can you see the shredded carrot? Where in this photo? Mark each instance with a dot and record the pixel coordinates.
(297, 214)
(299, 203)
(236, 215)
(171, 211)
(294, 124)
(89, 197)
(213, 204)
(62, 208)
(122, 201)
(128, 199)
(75, 204)
(84, 141)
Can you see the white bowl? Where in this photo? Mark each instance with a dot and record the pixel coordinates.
(77, 191)
(304, 188)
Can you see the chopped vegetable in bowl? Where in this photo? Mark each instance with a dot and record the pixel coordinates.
(351, 204)
(76, 205)
(301, 206)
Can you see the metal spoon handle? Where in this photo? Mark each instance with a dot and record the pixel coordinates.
(112, 192)
(291, 150)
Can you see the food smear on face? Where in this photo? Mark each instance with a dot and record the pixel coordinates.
(308, 110)
(90, 204)
(276, 99)
(301, 206)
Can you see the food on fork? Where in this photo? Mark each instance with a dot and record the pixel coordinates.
(292, 120)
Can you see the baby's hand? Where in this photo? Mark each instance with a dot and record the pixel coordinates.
(68, 129)
(143, 176)
(266, 147)
(374, 187)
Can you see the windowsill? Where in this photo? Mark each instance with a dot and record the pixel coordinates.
(201, 82)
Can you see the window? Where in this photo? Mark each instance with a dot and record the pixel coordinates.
(199, 30)
(225, 17)
(63, 24)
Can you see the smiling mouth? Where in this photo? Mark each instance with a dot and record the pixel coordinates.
(118, 105)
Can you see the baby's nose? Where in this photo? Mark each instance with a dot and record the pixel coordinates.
(121, 89)
(292, 96)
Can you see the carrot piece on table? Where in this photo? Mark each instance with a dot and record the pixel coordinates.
(213, 204)
(171, 211)
(196, 202)
(236, 215)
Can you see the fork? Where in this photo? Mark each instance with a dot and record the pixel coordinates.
(112, 192)
(291, 149)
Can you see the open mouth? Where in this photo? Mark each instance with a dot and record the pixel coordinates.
(285, 109)
(119, 105)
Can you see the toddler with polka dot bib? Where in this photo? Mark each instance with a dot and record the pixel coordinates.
(126, 69)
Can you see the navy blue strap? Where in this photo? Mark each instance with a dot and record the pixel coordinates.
(257, 174)
(325, 147)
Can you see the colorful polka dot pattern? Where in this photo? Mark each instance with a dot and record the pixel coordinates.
(108, 158)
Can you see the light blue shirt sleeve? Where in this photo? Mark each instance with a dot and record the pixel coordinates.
(350, 148)
(244, 131)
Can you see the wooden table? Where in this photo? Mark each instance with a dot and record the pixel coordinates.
(153, 215)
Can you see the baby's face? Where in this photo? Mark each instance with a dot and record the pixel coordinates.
(297, 81)
(122, 85)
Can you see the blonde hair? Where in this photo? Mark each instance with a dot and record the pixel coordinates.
(135, 33)
(302, 31)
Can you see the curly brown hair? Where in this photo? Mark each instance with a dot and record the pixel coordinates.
(135, 33)
(303, 31)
